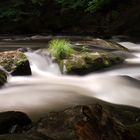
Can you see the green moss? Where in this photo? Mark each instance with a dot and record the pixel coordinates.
(83, 63)
(9, 59)
(106, 62)
(85, 49)
(3, 77)
(135, 129)
(20, 62)
(13, 60)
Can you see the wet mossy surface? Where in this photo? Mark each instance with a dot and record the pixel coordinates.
(90, 56)
(15, 62)
(3, 77)
(86, 62)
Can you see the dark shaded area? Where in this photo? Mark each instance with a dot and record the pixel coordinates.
(11, 122)
(22, 69)
(92, 122)
(51, 17)
(82, 122)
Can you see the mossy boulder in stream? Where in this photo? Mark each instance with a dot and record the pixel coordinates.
(84, 57)
(15, 62)
(84, 63)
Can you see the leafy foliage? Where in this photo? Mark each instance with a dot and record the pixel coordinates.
(86, 5)
(60, 48)
(55, 16)
(95, 5)
(90, 5)
(71, 4)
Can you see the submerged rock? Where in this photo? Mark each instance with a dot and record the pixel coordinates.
(15, 62)
(81, 122)
(12, 122)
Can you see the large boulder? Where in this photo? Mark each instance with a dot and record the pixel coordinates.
(129, 116)
(81, 122)
(84, 63)
(15, 62)
(91, 55)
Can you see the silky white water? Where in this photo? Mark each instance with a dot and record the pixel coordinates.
(47, 90)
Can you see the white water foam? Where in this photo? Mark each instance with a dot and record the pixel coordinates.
(47, 90)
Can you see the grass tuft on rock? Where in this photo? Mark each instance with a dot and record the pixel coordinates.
(60, 48)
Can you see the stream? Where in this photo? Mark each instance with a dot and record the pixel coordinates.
(47, 90)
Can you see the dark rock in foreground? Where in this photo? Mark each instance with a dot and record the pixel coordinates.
(19, 137)
(82, 123)
(15, 62)
(11, 122)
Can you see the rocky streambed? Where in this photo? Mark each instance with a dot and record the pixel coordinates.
(82, 122)
(96, 121)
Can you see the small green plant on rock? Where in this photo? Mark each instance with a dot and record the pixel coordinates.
(60, 48)
(84, 49)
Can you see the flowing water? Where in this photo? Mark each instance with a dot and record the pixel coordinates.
(47, 90)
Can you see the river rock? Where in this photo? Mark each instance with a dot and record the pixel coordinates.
(11, 122)
(91, 122)
(86, 62)
(91, 55)
(15, 62)
(103, 44)
(3, 77)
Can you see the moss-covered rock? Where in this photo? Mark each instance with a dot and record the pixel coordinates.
(15, 62)
(3, 77)
(90, 55)
(84, 63)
